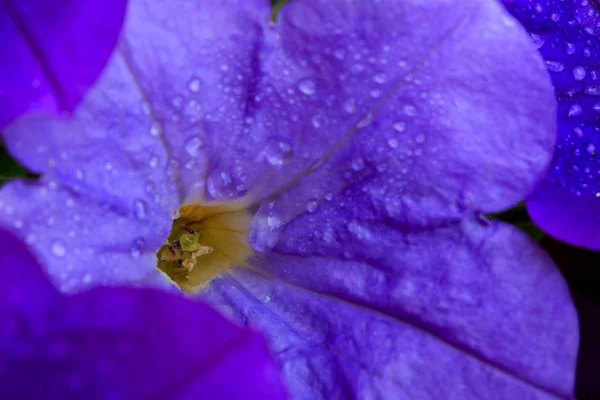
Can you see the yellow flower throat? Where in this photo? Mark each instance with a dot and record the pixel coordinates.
(205, 241)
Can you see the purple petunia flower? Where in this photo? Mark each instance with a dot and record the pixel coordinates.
(53, 51)
(567, 204)
(120, 343)
(322, 178)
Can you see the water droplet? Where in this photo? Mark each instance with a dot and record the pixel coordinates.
(153, 161)
(177, 101)
(379, 78)
(329, 196)
(587, 53)
(538, 8)
(575, 110)
(339, 54)
(578, 132)
(538, 40)
(410, 110)
(555, 16)
(555, 66)
(137, 247)
(420, 138)
(312, 206)
(590, 149)
(278, 151)
(220, 184)
(350, 106)
(59, 249)
(578, 73)
(192, 147)
(307, 86)
(393, 143)
(400, 126)
(194, 85)
(569, 49)
(592, 90)
(366, 121)
(79, 174)
(155, 129)
(375, 93)
(140, 209)
(358, 164)
(316, 121)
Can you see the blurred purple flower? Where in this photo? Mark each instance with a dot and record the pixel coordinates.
(567, 33)
(120, 343)
(365, 140)
(53, 51)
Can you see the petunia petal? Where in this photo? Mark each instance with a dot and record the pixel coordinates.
(105, 201)
(567, 205)
(120, 343)
(249, 108)
(449, 312)
(53, 52)
(21, 278)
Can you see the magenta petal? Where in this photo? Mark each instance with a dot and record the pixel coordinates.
(53, 52)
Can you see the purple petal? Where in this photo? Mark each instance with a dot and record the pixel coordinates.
(53, 52)
(21, 279)
(567, 205)
(249, 109)
(105, 201)
(451, 312)
(120, 343)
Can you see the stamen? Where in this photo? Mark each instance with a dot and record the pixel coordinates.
(204, 242)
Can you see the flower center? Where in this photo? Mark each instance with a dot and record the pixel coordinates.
(205, 241)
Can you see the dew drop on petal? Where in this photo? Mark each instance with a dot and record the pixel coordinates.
(379, 78)
(278, 151)
(358, 164)
(140, 209)
(555, 66)
(569, 49)
(366, 121)
(312, 206)
(155, 129)
(192, 146)
(350, 106)
(590, 149)
(420, 138)
(538, 40)
(393, 143)
(194, 85)
(592, 90)
(59, 249)
(153, 163)
(578, 132)
(410, 110)
(578, 73)
(307, 86)
(138, 245)
(575, 110)
(399, 126)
